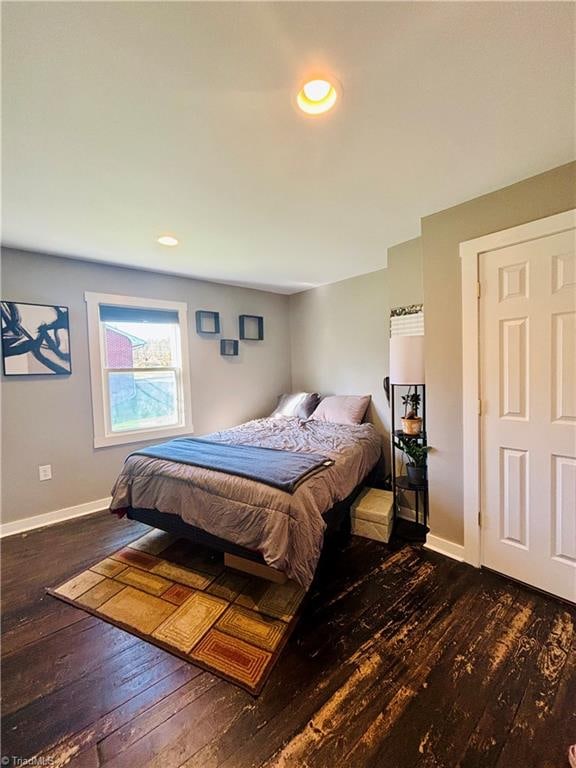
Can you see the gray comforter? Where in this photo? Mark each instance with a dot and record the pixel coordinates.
(286, 528)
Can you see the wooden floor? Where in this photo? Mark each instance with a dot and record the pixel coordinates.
(402, 658)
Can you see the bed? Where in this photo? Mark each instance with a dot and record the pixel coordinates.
(248, 518)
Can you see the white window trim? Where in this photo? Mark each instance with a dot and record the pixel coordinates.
(470, 253)
(102, 437)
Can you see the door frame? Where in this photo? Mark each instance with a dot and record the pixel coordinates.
(470, 252)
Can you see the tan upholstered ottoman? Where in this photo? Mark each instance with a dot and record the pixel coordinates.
(372, 514)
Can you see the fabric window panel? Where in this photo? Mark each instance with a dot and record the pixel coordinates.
(111, 313)
(407, 321)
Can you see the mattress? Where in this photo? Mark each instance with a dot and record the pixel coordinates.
(287, 529)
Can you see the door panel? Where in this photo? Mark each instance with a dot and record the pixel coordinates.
(528, 422)
(514, 496)
(563, 506)
(564, 367)
(514, 364)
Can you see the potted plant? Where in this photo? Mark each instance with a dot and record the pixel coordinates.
(417, 454)
(411, 422)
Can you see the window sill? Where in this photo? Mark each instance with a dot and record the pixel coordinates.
(143, 436)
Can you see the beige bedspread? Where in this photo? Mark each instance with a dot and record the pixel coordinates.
(287, 529)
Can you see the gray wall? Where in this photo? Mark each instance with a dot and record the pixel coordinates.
(340, 332)
(48, 420)
(336, 341)
(442, 233)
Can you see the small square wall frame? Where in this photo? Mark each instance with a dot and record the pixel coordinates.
(229, 347)
(251, 327)
(207, 322)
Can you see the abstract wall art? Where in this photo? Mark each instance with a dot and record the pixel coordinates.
(35, 339)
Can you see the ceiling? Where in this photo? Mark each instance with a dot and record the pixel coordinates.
(125, 121)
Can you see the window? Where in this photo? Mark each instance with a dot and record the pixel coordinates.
(139, 368)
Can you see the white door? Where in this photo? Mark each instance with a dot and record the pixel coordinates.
(528, 412)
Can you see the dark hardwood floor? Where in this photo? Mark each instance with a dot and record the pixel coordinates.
(402, 658)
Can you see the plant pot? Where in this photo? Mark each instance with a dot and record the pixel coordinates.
(417, 475)
(412, 426)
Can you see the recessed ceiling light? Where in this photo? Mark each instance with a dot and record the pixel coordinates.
(168, 240)
(317, 97)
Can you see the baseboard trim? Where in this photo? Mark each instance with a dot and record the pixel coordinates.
(51, 518)
(435, 543)
(445, 547)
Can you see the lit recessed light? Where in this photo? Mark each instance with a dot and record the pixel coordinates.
(317, 97)
(168, 240)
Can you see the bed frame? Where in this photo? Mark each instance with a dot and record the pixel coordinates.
(337, 520)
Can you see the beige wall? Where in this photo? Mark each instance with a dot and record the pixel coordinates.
(534, 198)
(48, 420)
(340, 332)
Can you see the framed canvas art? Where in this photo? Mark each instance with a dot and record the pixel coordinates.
(35, 339)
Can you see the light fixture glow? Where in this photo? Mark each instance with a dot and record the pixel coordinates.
(317, 97)
(168, 240)
(316, 90)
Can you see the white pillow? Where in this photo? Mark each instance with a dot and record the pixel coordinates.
(300, 404)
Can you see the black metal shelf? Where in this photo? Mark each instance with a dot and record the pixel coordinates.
(405, 483)
(415, 531)
(419, 436)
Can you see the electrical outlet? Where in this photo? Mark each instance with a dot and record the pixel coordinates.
(45, 472)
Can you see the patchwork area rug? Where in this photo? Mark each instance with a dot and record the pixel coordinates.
(180, 597)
